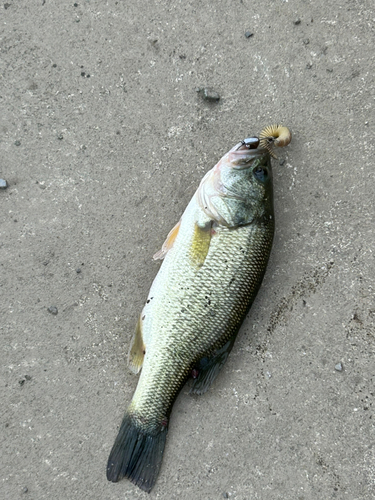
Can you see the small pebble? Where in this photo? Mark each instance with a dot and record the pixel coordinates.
(225, 495)
(27, 377)
(3, 184)
(54, 65)
(21, 382)
(7, 5)
(297, 21)
(60, 137)
(209, 94)
(248, 34)
(281, 162)
(339, 367)
(78, 270)
(53, 310)
(25, 489)
(329, 70)
(17, 143)
(309, 65)
(306, 41)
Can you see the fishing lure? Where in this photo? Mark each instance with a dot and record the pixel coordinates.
(274, 135)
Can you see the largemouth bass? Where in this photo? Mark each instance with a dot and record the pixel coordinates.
(214, 262)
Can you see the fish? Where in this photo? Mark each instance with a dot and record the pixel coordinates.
(214, 260)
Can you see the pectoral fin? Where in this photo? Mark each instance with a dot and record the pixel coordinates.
(209, 368)
(137, 350)
(200, 244)
(168, 243)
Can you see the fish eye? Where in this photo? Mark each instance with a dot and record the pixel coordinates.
(260, 173)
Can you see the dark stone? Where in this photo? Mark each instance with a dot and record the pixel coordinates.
(53, 310)
(248, 34)
(209, 94)
(297, 21)
(17, 143)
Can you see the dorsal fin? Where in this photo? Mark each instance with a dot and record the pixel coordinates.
(208, 368)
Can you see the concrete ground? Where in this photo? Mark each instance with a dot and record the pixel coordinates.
(103, 140)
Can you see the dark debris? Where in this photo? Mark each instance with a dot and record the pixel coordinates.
(208, 94)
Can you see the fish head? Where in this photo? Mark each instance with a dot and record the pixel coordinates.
(238, 190)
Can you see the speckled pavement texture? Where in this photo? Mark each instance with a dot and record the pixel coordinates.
(103, 140)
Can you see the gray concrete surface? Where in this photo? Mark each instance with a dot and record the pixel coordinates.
(103, 140)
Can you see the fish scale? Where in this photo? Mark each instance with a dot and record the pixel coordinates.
(214, 262)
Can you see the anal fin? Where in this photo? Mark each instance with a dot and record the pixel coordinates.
(137, 349)
(209, 368)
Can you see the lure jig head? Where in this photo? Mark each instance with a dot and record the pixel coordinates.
(249, 143)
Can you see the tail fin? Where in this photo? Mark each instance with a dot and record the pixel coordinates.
(136, 454)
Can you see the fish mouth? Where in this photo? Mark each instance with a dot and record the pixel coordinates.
(242, 156)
